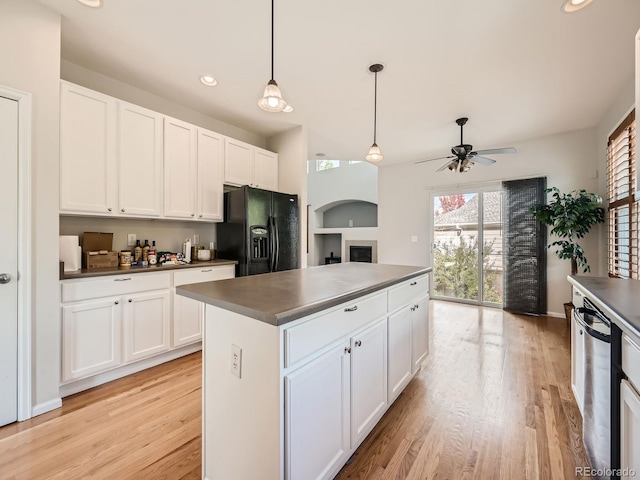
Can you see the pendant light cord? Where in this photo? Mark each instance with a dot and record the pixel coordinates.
(272, 43)
(375, 105)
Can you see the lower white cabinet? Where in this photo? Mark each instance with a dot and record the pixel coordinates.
(399, 340)
(629, 430)
(317, 415)
(419, 333)
(90, 337)
(577, 362)
(146, 325)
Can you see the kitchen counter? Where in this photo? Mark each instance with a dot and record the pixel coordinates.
(617, 296)
(100, 272)
(281, 297)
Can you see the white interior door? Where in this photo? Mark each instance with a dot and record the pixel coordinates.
(8, 261)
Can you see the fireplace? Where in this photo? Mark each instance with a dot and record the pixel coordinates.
(358, 253)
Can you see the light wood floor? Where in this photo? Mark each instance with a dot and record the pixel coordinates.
(493, 401)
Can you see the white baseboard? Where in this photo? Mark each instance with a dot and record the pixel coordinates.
(46, 407)
(555, 314)
(108, 376)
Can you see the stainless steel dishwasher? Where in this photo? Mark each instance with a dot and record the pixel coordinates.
(596, 418)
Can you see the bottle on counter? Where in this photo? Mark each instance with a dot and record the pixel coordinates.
(145, 251)
(137, 253)
(153, 254)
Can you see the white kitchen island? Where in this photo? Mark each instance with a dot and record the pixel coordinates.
(299, 366)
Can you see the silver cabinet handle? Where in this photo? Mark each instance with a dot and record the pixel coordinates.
(352, 309)
(417, 306)
(122, 210)
(4, 278)
(207, 270)
(121, 279)
(413, 308)
(358, 343)
(193, 214)
(200, 215)
(116, 302)
(413, 283)
(347, 349)
(130, 300)
(109, 209)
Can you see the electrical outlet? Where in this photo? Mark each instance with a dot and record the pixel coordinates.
(131, 239)
(236, 360)
(196, 239)
(351, 223)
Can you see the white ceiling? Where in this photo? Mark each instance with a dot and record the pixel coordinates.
(519, 69)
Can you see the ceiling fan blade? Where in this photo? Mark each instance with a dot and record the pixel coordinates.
(493, 151)
(432, 159)
(482, 160)
(445, 166)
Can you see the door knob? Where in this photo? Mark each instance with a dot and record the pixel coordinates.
(4, 278)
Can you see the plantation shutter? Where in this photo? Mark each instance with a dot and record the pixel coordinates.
(623, 202)
(524, 247)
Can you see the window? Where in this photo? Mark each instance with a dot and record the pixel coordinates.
(623, 201)
(352, 162)
(326, 164)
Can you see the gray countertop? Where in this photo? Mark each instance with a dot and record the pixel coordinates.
(99, 272)
(281, 297)
(620, 296)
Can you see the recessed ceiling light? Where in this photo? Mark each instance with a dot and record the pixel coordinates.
(320, 154)
(91, 3)
(287, 109)
(570, 6)
(208, 80)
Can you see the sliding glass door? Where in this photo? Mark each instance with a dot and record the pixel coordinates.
(467, 245)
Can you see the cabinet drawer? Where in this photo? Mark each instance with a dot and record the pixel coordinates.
(631, 360)
(407, 291)
(321, 331)
(83, 289)
(204, 274)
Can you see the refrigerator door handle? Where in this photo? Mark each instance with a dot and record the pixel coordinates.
(272, 244)
(276, 235)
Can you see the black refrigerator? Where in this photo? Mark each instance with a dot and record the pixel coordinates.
(260, 231)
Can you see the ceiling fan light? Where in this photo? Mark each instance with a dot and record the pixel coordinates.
(272, 100)
(571, 6)
(374, 154)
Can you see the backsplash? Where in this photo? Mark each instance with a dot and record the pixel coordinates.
(168, 234)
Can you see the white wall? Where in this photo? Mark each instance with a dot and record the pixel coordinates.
(30, 61)
(357, 181)
(569, 160)
(291, 147)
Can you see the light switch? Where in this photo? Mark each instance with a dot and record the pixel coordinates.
(414, 238)
(236, 360)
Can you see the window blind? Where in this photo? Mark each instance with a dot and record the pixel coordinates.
(623, 200)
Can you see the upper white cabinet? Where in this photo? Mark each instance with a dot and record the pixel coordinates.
(249, 165)
(87, 151)
(180, 168)
(210, 175)
(139, 161)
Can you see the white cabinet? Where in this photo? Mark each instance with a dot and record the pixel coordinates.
(317, 416)
(139, 161)
(146, 325)
(399, 340)
(419, 332)
(180, 169)
(629, 430)
(210, 177)
(577, 362)
(188, 314)
(248, 165)
(87, 151)
(90, 337)
(368, 379)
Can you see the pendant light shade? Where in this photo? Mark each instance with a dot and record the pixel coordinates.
(374, 154)
(272, 100)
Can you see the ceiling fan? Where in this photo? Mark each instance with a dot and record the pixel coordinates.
(464, 156)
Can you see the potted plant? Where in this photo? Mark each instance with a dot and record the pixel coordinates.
(571, 216)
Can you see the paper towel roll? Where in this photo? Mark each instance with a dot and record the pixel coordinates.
(70, 253)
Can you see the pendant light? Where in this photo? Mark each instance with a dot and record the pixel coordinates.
(374, 154)
(272, 100)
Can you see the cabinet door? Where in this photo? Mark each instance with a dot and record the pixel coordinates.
(90, 338)
(368, 379)
(87, 150)
(210, 175)
(577, 362)
(419, 332)
(179, 169)
(399, 340)
(146, 324)
(629, 430)
(265, 169)
(317, 416)
(139, 161)
(187, 320)
(238, 162)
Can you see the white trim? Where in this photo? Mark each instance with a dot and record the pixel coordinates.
(24, 249)
(46, 406)
(482, 185)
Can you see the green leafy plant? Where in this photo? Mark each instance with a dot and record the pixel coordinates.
(571, 216)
